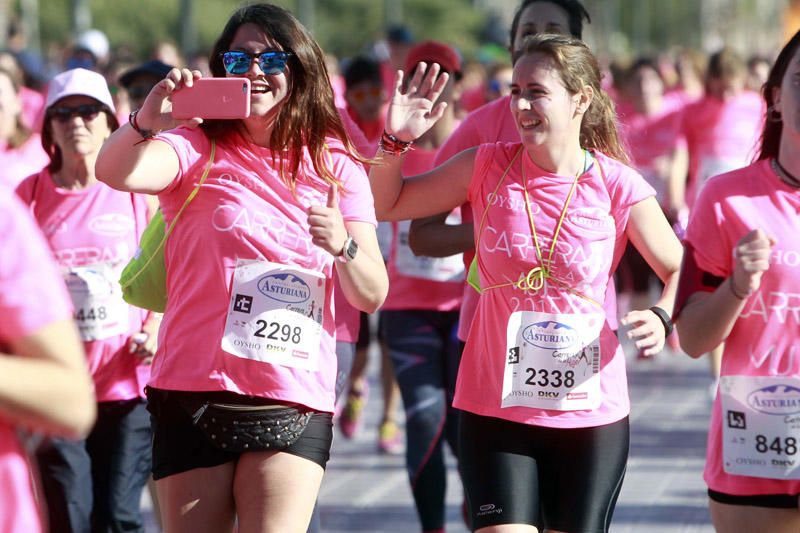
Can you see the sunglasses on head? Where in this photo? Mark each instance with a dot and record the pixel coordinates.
(270, 62)
(87, 112)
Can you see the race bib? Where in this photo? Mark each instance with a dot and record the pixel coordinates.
(553, 361)
(100, 311)
(431, 268)
(761, 426)
(275, 314)
(384, 234)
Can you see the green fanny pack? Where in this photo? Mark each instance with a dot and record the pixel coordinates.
(144, 279)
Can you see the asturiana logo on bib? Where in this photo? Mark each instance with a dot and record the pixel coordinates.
(550, 335)
(776, 400)
(286, 288)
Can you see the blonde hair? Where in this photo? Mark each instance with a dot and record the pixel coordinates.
(578, 68)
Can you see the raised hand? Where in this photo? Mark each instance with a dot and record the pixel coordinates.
(412, 112)
(326, 224)
(751, 260)
(156, 112)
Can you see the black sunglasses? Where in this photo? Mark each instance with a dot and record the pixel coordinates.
(87, 112)
(270, 62)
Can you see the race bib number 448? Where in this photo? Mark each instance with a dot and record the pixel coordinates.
(100, 311)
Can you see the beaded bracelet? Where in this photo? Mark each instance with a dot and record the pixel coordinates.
(392, 145)
(146, 134)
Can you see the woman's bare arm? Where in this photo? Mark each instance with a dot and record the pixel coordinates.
(44, 382)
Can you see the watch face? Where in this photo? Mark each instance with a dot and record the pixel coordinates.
(351, 249)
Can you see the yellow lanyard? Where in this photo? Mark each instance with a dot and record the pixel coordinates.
(534, 280)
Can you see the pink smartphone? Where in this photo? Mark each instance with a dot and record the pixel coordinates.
(214, 98)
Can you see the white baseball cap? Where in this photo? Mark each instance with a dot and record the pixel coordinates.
(95, 42)
(79, 82)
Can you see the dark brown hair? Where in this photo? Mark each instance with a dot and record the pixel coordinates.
(308, 114)
(578, 67)
(576, 14)
(771, 137)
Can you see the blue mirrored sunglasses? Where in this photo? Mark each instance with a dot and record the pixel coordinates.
(271, 62)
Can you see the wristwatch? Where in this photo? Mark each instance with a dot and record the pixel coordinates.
(349, 250)
(666, 320)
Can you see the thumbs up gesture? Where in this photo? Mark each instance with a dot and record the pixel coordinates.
(326, 224)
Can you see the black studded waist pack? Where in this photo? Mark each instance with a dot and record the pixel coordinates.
(248, 428)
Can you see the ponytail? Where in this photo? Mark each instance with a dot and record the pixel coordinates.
(599, 128)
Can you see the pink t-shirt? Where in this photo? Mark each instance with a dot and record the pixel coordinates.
(490, 124)
(244, 211)
(339, 88)
(31, 296)
(414, 292)
(589, 246)
(95, 226)
(19, 163)
(682, 98)
(765, 339)
(32, 107)
(472, 99)
(721, 136)
(652, 137)
(348, 319)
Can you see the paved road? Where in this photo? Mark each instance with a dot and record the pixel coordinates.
(663, 492)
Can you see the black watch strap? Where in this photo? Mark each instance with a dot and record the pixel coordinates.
(666, 320)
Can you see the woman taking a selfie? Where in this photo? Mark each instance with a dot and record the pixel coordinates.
(247, 339)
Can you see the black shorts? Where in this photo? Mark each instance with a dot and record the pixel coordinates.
(180, 446)
(551, 478)
(772, 501)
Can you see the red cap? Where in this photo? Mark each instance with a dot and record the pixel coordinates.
(434, 52)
